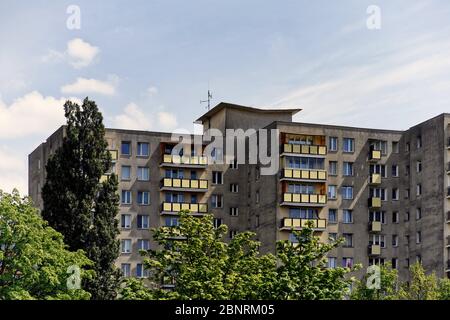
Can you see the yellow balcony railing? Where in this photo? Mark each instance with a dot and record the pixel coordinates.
(305, 198)
(305, 174)
(178, 206)
(375, 178)
(374, 250)
(304, 149)
(189, 160)
(375, 226)
(375, 155)
(185, 183)
(289, 223)
(375, 202)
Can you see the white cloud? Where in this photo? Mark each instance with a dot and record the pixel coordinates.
(78, 54)
(167, 120)
(31, 114)
(151, 91)
(83, 86)
(13, 168)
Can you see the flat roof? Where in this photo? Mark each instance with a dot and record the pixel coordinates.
(223, 105)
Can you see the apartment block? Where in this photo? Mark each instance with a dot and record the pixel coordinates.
(386, 192)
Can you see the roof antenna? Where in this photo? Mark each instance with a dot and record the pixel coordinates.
(208, 100)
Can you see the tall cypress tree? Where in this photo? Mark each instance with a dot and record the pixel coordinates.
(77, 204)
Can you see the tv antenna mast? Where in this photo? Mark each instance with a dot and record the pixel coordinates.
(208, 100)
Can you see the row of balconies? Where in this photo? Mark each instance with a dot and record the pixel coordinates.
(175, 207)
(320, 175)
(184, 160)
(198, 185)
(299, 198)
(304, 149)
(298, 223)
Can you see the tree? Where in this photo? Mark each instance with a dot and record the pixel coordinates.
(302, 273)
(134, 289)
(388, 289)
(421, 286)
(77, 204)
(33, 257)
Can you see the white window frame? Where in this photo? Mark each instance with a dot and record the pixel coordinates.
(126, 217)
(125, 246)
(142, 170)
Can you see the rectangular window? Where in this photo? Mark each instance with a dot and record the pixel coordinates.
(217, 177)
(407, 147)
(332, 192)
(217, 200)
(217, 154)
(395, 148)
(348, 240)
(234, 187)
(395, 217)
(407, 216)
(143, 173)
(257, 197)
(234, 164)
(232, 234)
(125, 173)
(378, 216)
(141, 272)
(143, 221)
(378, 193)
(126, 269)
(348, 216)
(394, 263)
(418, 189)
(347, 262)
(332, 215)
(418, 237)
(171, 222)
(419, 166)
(143, 244)
(193, 175)
(406, 193)
(418, 213)
(348, 169)
(332, 168)
(234, 212)
(332, 236)
(394, 170)
(419, 142)
(395, 194)
(349, 145)
(126, 197)
(143, 149)
(125, 148)
(333, 144)
(378, 168)
(217, 222)
(125, 221)
(378, 240)
(331, 262)
(347, 192)
(395, 240)
(174, 174)
(125, 246)
(143, 198)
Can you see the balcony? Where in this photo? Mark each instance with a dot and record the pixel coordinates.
(114, 154)
(170, 160)
(374, 250)
(176, 207)
(375, 226)
(297, 174)
(298, 223)
(295, 199)
(374, 202)
(375, 179)
(303, 149)
(192, 185)
(374, 155)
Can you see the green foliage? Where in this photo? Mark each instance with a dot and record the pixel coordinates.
(421, 286)
(387, 289)
(33, 256)
(134, 289)
(77, 204)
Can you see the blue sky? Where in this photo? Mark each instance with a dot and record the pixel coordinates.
(148, 63)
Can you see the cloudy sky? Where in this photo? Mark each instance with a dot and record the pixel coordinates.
(148, 63)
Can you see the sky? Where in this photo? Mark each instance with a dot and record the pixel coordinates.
(147, 64)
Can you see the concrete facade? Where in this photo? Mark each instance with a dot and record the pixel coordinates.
(387, 193)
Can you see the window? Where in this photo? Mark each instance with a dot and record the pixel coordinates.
(125, 246)
(257, 196)
(378, 193)
(378, 240)
(332, 168)
(125, 221)
(193, 198)
(349, 145)
(234, 212)
(394, 263)
(395, 240)
(347, 192)
(406, 193)
(142, 149)
(395, 148)
(126, 197)
(216, 154)
(141, 272)
(407, 147)
(379, 145)
(347, 262)
(418, 166)
(348, 240)
(143, 198)
(293, 238)
(126, 269)
(395, 170)
(234, 164)
(331, 262)
(217, 222)
(232, 233)
(407, 262)
(332, 236)
(174, 197)
(419, 258)
(378, 168)
(142, 221)
(348, 168)
(171, 222)
(126, 148)
(418, 189)
(217, 200)
(303, 213)
(419, 142)
(418, 213)
(418, 237)
(395, 217)
(333, 141)
(377, 216)
(407, 216)
(125, 173)
(376, 261)
(217, 177)
(332, 192)
(395, 194)
(407, 169)
(332, 215)
(143, 244)
(143, 173)
(348, 216)
(174, 174)
(234, 187)
(193, 175)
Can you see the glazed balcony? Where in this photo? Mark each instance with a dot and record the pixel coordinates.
(375, 226)
(300, 175)
(170, 160)
(375, 179)
(374, 250)
(296, 199)
(176, 207)
(192, 185)
(299, 223)
(374, 155)
(374, 202)
(303, 149)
